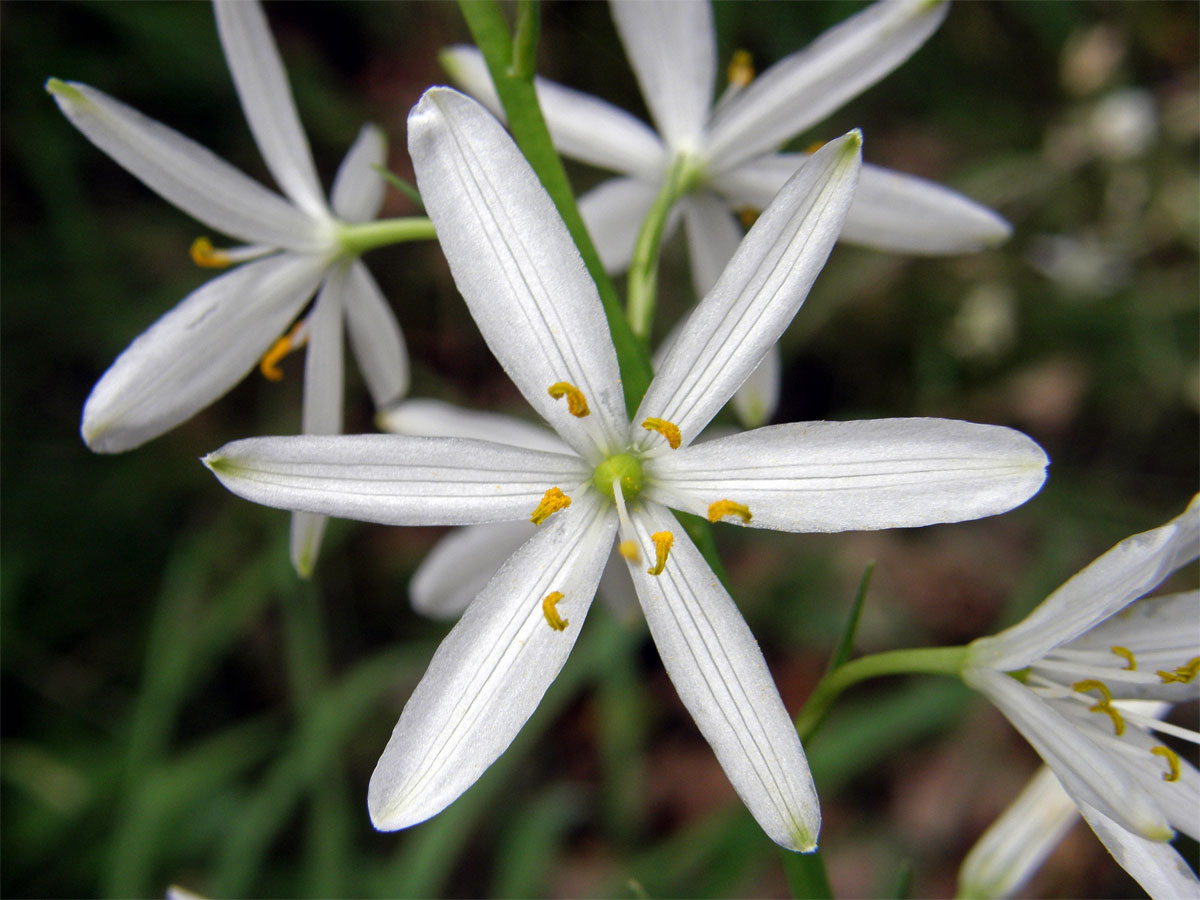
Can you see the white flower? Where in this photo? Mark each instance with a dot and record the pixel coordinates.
(205, 345)
(529, 292)
(730, 146)
(1088, 658)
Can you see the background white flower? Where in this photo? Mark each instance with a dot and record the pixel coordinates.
(199, 350)
(1088, 657)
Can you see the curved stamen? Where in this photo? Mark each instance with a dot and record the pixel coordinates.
(668, 430)
(293, 340)
(722, 508)
(552, 501)
(576, 402)
(1172, 759)
(553, 619)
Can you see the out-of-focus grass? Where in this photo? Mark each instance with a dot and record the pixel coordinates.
(179, 708)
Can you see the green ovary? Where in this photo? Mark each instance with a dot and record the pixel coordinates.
(623, 468)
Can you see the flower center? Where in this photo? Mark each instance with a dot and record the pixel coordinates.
(625, 469)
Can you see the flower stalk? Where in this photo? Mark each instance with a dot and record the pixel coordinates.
(917, 661)
(357, 238)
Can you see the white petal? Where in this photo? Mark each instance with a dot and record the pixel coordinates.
(718, 670)
(1016, 844)
(323, 368)
(304, 541)
(713, 237)
(891, 210)
(1086, 772)
(732, 328)
(851, 476)
(491, 671)
(358, 188)
(516, 266)
(395, 480)
(613, 213)
(672, 49)
(803, 88)
(435, 418)
(757, 399)
(461, 564)
(262, 86)
(581, 126)
(1157, 866)
(196, 352)
(375, 337)
(184, 173)
(1129, 570)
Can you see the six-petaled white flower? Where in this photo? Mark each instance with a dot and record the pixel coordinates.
(205, 345)
(528, 291)
(1088, 660)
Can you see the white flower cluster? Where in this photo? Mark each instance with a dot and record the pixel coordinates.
(544, 509)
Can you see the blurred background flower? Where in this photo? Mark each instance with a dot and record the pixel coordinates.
(179, 708)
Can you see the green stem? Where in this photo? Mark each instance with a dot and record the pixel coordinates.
(358, 238)
(927, 660)
(514, 85)
(643, 270)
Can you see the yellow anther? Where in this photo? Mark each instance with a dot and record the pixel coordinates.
(207, 256)
(1184, 674)
(722, 508)
(552, 501)
(741, 68)
(269, 365)
(748, 216)
(814, 146)
(576, 402)
(669, 430)
(1126, 654)
(1105, 705)
(662, 546)
(629, 550)
(1172, 759)
(553, 619)
(1093, 685)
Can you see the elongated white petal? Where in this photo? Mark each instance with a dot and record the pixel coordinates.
(304, 541)
(850, 476)
(1179, 800)
(262, 86)
(1088, 773)
(581, 126)
(435, 418)
(459, 566)
(732, 328)
(803, 88)
(323, 368)
(358, 188)
(757, 399)
(613, 213)
(184, 173)
(393, 479)
(672, 48)
(1016, 844)
(516, 267)
(1157, 866)
(491, 671)
(718, 670)
(375, 337)
(196, 352)
(713, 237)
(891, 210)
(1129, 570)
